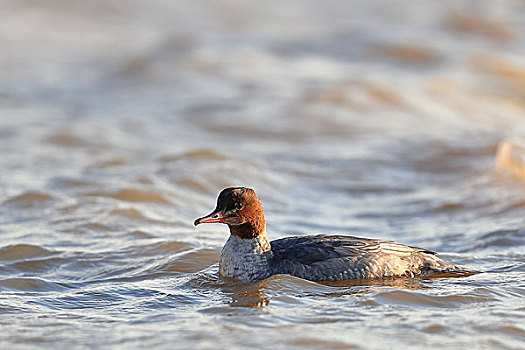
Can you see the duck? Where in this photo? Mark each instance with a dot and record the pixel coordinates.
(248, 255)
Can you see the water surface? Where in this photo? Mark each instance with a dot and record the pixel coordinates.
(121, 121)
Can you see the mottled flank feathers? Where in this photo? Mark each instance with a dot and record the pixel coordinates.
(331, 257)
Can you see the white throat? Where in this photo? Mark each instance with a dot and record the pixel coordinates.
(246, 259)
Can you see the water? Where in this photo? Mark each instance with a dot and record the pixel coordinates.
(121, 122)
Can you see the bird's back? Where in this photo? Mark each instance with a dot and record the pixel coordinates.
(337, 257)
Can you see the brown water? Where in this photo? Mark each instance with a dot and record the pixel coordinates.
(120, 121)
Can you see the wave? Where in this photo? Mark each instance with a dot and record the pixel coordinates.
(32, 285)
(22, 251)
(28, 199)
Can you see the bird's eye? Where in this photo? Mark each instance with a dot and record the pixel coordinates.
(238, 206)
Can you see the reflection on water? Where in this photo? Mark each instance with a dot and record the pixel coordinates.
(289, 288)
(121, 121)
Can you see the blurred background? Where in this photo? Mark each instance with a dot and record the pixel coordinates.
(120, 122)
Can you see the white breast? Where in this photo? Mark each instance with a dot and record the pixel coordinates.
(246, 259)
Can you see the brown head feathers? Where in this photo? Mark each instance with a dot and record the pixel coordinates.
(241, 210)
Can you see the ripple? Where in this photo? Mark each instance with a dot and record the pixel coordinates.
(473, 24)
(37, 265)
(435, 328)
(22, 251)
(31, 284)
(501, 68)
(229, 310)
(193, 261)
(415, 299)
(95, 226)
(140, 234)
(112, 162)
(83, 300)
(190, 182)
(133, 195)
(361, 189)
(169, 247)
(194, 154)
(129, 213)
(29, 199)
(67, 183)
(445, 207)
(512, 330)
(307, 342)
(513, 206)
(517, 266)
(499, 239)
(404, 283)
(292, 285)
(510, 156)
(67, 139)
(408, 53)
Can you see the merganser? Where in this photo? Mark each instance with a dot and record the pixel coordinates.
(249, 256)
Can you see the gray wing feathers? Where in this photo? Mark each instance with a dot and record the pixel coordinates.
(325, 257)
